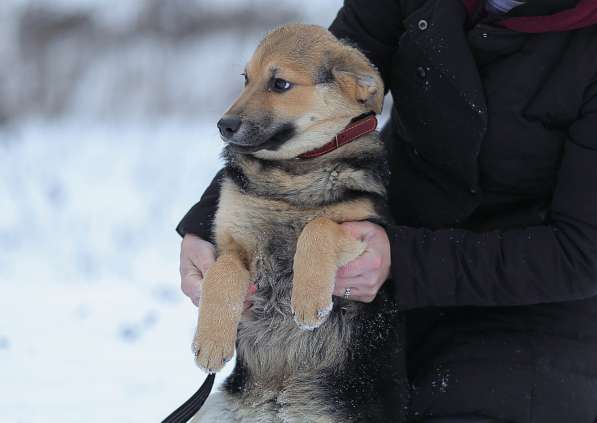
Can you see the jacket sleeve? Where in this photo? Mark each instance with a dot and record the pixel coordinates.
(374, 26)
(199, 220)
(551, 263)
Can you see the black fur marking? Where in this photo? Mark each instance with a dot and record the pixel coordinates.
(284, 165)
(374, 363)
(362, 116)
(350, 195)
(285, 132)
(373, 164)
(324, 75)
(237, 381)
(279, 137)
(237, 176)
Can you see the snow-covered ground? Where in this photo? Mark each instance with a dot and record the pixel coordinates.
(93, 325)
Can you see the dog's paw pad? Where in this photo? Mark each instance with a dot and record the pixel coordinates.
(211, 356)
(310, 316)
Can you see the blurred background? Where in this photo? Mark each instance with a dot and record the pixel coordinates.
(107, 137)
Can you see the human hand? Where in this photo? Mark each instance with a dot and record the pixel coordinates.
(366, 274)
(196, 257)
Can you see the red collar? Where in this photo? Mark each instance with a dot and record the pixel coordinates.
(354, 130)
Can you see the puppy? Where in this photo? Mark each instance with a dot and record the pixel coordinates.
(301, 157)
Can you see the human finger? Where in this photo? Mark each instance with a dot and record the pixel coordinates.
(369, 261)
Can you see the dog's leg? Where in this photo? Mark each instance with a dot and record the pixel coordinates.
(322, 247)
(223, 291)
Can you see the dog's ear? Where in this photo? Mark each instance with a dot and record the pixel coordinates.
(364, 85)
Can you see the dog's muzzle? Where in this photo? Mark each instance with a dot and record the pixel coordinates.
(228, 126)
(248, 137)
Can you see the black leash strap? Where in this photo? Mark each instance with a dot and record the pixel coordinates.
(184, 413)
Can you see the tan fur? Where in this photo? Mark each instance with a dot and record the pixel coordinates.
(220, 308)
(322, 247)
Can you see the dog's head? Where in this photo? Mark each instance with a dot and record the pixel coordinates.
(302, 86)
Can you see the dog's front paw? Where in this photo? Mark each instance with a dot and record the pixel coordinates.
(310, 313)
(212, 351)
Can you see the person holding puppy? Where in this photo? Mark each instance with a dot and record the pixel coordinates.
(493, 255)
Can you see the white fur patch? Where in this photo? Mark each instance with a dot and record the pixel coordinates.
(215, 409)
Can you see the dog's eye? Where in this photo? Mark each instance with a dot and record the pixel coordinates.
(280, 85)
(246, 78)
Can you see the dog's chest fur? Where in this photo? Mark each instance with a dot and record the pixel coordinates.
(265, 207)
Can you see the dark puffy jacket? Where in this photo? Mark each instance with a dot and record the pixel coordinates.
(493, 146)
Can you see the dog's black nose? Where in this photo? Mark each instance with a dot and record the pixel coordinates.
(228, 125)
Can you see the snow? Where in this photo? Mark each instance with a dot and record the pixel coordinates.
(93, 324)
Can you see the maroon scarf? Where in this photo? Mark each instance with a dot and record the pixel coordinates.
(582, 15)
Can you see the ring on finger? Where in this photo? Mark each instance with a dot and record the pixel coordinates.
(347, 293)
